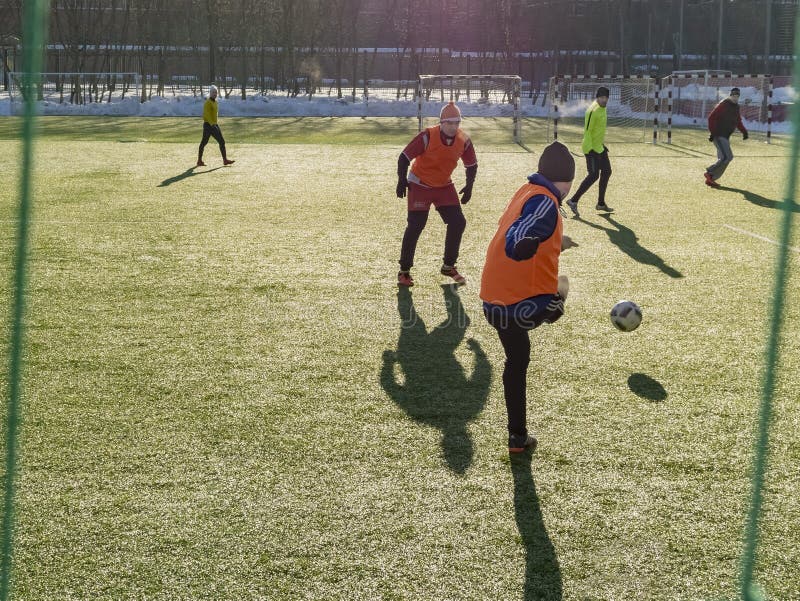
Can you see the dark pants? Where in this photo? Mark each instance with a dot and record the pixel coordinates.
(212, 131)
(517, 346)
(599, 166)
(453, 216)
(513, 332)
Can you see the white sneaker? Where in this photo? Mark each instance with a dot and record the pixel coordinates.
(574, 206)
(604, 207)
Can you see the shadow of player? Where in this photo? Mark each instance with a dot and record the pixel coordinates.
(761, 201)
(542, 570)
(434, 387)
(627, 241)
(190, 172)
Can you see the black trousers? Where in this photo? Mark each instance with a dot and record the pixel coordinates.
(599, 167)
(513, 331)
(452, 215)
(517, 346)
(212, 131)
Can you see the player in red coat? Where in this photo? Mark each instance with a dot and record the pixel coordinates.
(722, 122)
(435, 153)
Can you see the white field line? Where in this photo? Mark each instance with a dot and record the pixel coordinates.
(764, 238)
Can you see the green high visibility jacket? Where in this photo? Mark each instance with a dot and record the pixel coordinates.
(594, 128)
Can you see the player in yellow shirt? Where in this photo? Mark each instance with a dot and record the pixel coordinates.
(598, 165)
(211, 127)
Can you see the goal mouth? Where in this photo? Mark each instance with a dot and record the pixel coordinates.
(476, 95)
(61, 91)
(630, 110)
(689, 96)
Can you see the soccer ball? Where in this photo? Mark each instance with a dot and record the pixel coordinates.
(626, 315)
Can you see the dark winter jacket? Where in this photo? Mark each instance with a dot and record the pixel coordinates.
(724, 119)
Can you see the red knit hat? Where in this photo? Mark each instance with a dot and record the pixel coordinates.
(450, 112)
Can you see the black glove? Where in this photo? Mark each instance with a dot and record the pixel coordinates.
(745, 135)
(402, 175)
(402, 185)
(466, 194)
(526, 248)
(605, 148)
(711, 137)
(466, 191)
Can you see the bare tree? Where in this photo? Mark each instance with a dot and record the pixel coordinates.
(78, 26)
(345, 14)
(10, 35)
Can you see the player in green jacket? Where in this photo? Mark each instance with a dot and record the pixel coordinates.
(211, 127)
(597, 163)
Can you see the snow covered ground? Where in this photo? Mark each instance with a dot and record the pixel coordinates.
(280, 105)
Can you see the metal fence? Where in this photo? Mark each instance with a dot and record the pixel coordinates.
(78, 88)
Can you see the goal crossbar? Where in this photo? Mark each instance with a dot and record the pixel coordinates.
(633, 104)
(478, 92)
(79, 87)
(692, 94)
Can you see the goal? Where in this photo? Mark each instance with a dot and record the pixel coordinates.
(476, 95)
(689, 96)
(631, 107)
(78, 89)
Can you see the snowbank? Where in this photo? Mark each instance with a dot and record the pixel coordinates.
(326, 106)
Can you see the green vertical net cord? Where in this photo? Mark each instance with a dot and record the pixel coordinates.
(33, 32)
(749, 590)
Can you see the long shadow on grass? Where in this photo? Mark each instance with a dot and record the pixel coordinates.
(627, 241)
(542, 571)
(760, 201)
(190, 172)
(437, 390)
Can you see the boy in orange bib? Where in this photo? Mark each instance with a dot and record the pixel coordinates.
(520, 287)
(435, 153)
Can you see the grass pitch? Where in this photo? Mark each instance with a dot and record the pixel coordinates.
(225, 396)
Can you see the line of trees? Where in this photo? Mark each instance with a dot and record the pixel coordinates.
(289, 39)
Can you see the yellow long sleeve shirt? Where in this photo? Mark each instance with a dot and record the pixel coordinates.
(210, 112)
(594, 133)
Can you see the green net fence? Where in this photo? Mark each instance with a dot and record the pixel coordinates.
(750, 591)
(34, 26)
(33, 30)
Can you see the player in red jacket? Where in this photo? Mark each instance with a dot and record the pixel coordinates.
(722, 121)
(435, 152)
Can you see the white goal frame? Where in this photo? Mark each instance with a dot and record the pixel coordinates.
(714, 81)
(78, 88)
(641, 100)
(444, 88)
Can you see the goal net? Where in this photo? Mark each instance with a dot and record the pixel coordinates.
(631, 107)
(59, 91)
(687, 97)
(476, 95)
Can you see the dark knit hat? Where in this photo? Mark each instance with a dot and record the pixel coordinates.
(602, 91)
(735, 91)
(557, 164)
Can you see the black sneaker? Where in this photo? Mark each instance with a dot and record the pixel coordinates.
(518, 443)
(573, 207)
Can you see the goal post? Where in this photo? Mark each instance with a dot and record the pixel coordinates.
(689, 96)
(78, 88)
(476, 96)
(631, 111)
